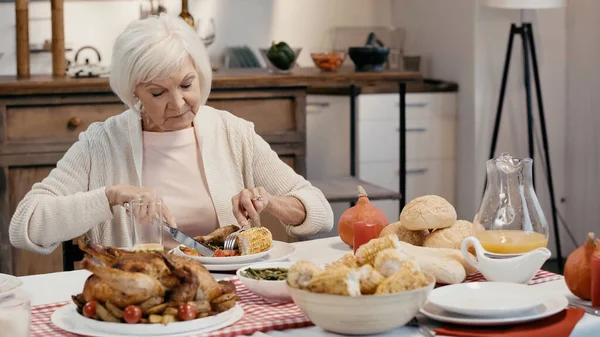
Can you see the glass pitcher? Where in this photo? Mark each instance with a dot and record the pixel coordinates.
(510, 219)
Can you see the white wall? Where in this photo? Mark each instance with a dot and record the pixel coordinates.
(254, 23)
(465, 42)
(583, 139)
(446, 44)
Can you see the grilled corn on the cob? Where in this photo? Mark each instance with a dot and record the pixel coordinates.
(348, 260)
(301, 273)
(367, 252)
(404, 279)
(254, 240)
(390, 260)
(369, 279)
(338, 281)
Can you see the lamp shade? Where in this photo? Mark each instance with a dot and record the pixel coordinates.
(525, 4)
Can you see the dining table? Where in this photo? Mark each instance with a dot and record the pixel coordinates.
(58, 287)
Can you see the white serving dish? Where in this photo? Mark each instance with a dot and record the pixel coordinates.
(361, 315)
(67, 318)
(272, 291)
(487, 299)
(515, 268)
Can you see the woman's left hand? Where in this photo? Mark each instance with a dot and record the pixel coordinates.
(249, 203)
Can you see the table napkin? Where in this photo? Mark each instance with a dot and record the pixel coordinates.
(558, 325)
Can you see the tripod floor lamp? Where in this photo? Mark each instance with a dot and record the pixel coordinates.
(525, 31)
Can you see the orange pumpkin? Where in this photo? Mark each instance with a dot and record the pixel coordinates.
(363, 211)
(577, 269)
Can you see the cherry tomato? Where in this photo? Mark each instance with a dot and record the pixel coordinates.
(225, 253)
(132, 314)
(219, 253)
(186, 312)
(89, 309)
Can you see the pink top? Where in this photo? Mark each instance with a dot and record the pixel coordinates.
(173, 167)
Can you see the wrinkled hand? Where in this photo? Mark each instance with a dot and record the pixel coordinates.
(249, 203)
(146, 210)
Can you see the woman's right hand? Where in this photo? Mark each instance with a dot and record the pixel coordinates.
(121, 194)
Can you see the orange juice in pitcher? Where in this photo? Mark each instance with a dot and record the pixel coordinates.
(510, 219)
(511, 241)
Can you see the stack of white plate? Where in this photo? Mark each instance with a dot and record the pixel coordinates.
(491, 303)
(8, 285)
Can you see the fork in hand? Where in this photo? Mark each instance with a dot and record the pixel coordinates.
(229, 243)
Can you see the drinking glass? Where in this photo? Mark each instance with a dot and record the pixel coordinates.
(146, 219)
(15, 315)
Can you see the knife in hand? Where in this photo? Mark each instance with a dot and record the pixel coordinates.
(188, 241)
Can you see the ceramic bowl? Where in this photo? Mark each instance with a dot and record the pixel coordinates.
(368, 58)
(272, 291)
(361, 315)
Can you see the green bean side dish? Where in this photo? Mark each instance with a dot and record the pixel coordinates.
(269, 274)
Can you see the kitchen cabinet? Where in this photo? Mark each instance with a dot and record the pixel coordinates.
(430, 145)
(431, 125)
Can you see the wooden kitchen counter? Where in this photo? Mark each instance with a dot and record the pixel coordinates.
(42, 116)
(250, 78)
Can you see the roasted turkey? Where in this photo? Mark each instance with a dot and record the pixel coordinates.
(130, 278)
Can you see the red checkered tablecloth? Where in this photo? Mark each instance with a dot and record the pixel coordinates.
(259, 315)
(541, 277)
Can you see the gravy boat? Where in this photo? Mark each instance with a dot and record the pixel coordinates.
(515, 268)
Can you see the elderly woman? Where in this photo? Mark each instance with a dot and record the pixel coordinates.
(208, 166)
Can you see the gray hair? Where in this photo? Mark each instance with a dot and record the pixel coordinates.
(154, 48)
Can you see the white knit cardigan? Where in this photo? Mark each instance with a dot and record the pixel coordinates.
(71, 201)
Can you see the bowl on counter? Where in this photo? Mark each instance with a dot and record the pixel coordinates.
(274, 68)
(269, 290)
(361, 315)
(369, 58)
(328, 61)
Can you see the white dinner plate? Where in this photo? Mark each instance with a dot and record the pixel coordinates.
(489, 299)
(279, 251)
(9, 284)
(225, 259)
(67, 318)
(550, 306)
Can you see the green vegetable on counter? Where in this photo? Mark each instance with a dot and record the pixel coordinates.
(281, 55)
(269, 274)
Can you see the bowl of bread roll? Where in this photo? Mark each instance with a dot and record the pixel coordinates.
(430, 232)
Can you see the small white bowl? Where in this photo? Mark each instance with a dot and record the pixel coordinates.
(361, 315)
(272, 291)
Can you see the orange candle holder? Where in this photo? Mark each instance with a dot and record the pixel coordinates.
(595, 271)
(364, 232)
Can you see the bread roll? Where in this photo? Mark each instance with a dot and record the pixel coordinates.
(439, 253)
(428, 212)
(450, 237)
(413, 237)
(445, 270)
